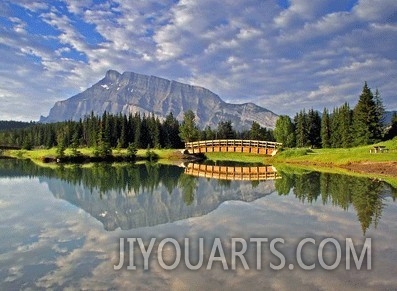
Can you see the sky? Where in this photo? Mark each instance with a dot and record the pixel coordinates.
(284, 55)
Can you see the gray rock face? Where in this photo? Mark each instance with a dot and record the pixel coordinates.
(130, 93)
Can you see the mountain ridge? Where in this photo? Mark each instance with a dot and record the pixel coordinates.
(131, 92)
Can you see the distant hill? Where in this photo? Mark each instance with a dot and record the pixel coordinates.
(131, 92)
(388, 116)
(11, 124)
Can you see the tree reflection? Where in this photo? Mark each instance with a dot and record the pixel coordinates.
(364, 194)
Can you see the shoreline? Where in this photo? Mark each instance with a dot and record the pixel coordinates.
(321, 160)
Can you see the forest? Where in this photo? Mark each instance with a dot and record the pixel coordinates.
(342, 128)
(121, 131)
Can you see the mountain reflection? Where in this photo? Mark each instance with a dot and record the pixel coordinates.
(140, 195)
(137, 195)
(364, 194)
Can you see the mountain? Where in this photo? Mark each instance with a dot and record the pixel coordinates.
(131, 92)
(387, 117)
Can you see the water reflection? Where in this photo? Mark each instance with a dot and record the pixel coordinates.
(364, 194)
(133, 196)
(138, 195)
(233, 172)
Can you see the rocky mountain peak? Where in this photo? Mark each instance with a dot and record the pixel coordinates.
(130, 92)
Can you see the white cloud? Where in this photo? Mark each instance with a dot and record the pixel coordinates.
(251, 51)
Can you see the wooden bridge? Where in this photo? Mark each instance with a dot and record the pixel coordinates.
(257, 173)
(233, 145)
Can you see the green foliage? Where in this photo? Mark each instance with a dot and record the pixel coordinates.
(342, 190)
(284, 131)
(131, 151)
(207, 133)
(225, 130)
(27, 144)
(325, 129)
(150, 155)
(365, 119)
(61, 144)
(188, 130)
(11, 124)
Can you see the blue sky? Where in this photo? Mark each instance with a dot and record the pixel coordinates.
(284, 55)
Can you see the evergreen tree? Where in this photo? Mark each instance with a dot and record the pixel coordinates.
(225, 130)
(207, 133)
(284, 131)
(325, 129)
(255, 131)
(314, 128)
(188, 130)
(365, 119)
(170, 132)
(345, 125)
(380, 114)
(60, 145)
(301, 129)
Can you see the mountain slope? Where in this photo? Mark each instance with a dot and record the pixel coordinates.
(130, 93)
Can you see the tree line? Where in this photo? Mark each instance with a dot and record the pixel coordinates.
(133, 131)
(343, 127)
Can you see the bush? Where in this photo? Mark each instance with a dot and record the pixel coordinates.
(131, 151)
(151, 155)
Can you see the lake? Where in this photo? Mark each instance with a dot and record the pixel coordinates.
(63, 228)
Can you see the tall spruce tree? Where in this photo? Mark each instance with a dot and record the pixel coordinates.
(188, 129)
(345, 125)
(365, 119)
(380, 112)
(301, 129)
(325, 129)
(314, 128)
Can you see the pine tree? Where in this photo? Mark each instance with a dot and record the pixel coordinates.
(255, 131)
(345, 126)
(380, 114)
(365, 119)
(314, 128)
(301, 127)
(188, 130)
(225, 130)
(325, 129)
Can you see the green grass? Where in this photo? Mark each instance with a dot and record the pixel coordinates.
(38, 154)
(339, 156)
(236, 157)
(330, 160)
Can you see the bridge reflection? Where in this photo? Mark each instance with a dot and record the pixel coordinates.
(254, 173)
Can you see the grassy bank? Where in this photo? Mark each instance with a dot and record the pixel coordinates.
(338, 157)
(38, 155)
(347, 160)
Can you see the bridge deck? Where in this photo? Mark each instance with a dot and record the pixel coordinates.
(233, 145)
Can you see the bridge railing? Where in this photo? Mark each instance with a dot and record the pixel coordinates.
(233, 142)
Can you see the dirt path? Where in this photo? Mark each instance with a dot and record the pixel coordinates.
(385, 168)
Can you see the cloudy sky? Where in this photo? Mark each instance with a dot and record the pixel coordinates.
(285, 55)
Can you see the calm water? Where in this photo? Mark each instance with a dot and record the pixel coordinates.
(61, 228)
